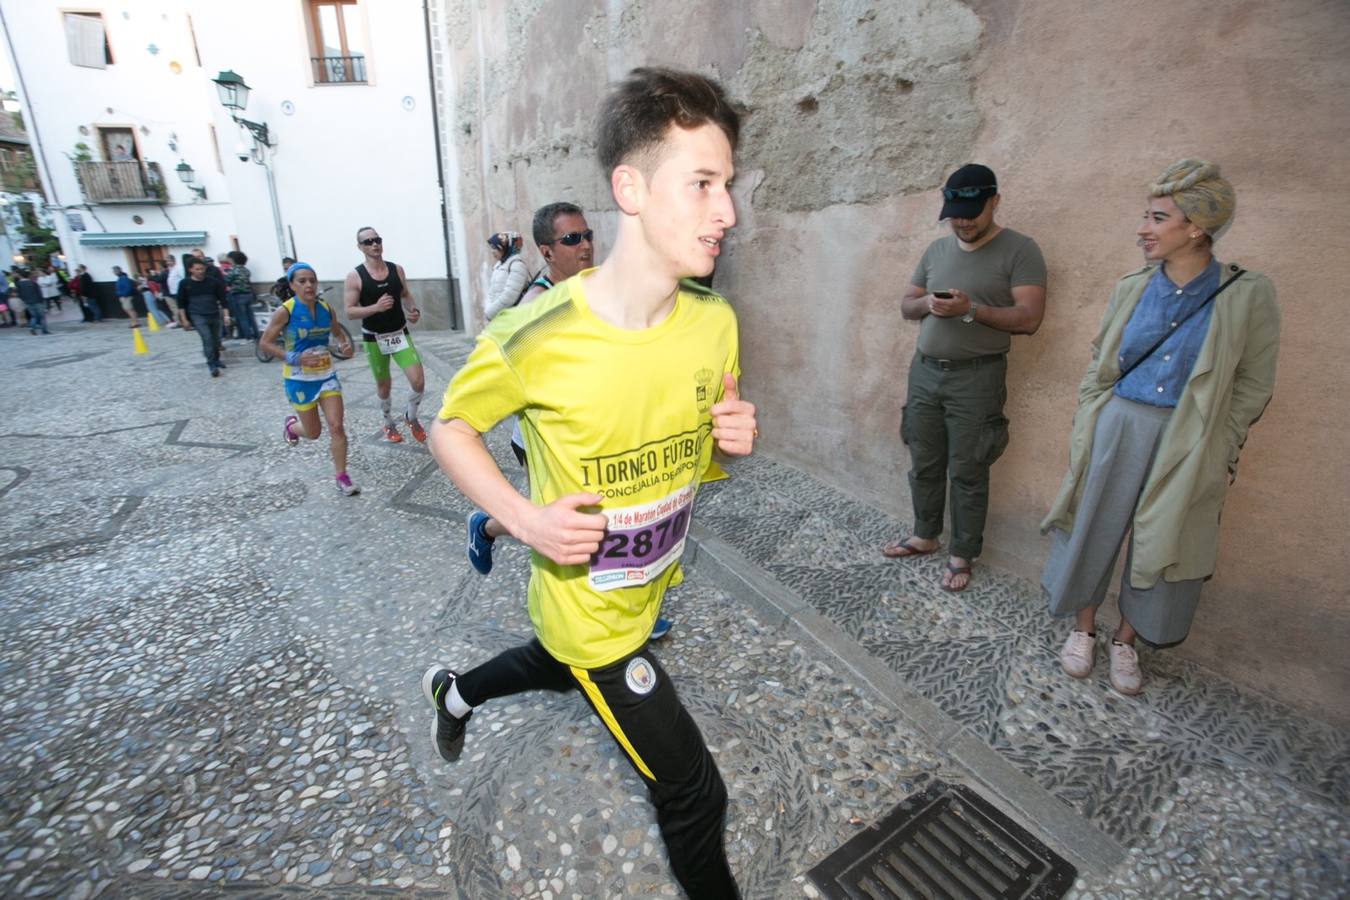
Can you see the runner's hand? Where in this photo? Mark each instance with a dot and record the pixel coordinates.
(386, 301)
(413, 314)
(733, 420)
(563, 533)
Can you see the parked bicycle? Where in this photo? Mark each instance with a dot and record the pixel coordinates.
(265, 306)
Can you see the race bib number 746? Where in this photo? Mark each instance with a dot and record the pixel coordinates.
(641, 541)
(391, 343)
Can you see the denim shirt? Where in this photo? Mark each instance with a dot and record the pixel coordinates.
(1160, 379)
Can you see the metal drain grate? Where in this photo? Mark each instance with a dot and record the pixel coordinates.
(944, 842)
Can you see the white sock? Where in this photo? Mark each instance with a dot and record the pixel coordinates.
(414, 401)
(385, 406)
(454, 703)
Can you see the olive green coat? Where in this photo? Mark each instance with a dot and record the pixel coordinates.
(1176, 524)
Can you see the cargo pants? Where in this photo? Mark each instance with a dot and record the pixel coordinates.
(954, 426)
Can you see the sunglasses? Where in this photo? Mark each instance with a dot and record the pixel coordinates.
(967, 193)
(572, 238)
(368, 241)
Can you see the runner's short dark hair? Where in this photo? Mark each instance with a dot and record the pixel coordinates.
(196, 261)
(364, 228)
(238, 257)
(639, 110)
(544, 216)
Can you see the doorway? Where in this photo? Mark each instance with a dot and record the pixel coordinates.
(143, 259)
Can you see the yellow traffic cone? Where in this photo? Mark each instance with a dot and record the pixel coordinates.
(714, 472)
(138, 342)
(150, 320)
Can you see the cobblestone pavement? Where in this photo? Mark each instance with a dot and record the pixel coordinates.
(211, 661)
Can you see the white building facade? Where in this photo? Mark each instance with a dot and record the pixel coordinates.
(120, 102)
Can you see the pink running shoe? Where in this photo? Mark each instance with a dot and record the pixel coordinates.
(291, 437)
(344, 484)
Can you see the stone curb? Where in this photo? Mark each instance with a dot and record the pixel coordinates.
(1034, 807)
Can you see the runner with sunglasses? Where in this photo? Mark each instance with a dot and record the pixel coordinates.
(565, 242)
(376, 295)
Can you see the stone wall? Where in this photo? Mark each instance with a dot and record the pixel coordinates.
(856, 111)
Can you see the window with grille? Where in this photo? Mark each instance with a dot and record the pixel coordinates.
(337, 42)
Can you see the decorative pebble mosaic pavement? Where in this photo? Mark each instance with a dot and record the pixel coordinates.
(211, 659)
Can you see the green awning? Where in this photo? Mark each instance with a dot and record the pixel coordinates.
(141, 238)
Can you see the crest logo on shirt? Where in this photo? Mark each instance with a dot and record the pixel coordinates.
(703, 379)
(640, 675)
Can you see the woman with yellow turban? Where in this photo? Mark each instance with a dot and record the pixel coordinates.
(1183, 365)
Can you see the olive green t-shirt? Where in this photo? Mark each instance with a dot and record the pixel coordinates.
(987, 276)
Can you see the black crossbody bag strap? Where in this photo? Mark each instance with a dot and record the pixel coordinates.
(1162, 340)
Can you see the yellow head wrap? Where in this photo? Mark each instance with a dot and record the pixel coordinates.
(1197, 189)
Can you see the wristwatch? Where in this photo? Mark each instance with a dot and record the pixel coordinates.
(969, 317)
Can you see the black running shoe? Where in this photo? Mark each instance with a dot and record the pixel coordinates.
(447, 731)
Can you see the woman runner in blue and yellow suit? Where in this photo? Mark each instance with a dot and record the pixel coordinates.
(304, 323)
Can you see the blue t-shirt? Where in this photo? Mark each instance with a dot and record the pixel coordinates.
(1160, 379)
(125, 287)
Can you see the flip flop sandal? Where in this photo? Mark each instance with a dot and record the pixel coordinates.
(903, 549)
(957, 570)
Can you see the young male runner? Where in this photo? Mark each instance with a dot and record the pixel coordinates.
(376, 294)
(626, 378)
(567, 244)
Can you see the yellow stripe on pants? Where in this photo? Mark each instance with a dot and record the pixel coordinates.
(597, 699)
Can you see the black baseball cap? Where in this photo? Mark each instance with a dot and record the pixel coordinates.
(967, 191)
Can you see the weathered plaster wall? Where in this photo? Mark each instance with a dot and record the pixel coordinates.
(856, 112)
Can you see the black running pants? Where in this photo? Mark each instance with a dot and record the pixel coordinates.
(637, 703)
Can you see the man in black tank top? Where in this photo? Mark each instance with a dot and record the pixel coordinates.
(376, 296)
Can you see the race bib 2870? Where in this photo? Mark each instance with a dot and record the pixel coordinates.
(641, 541)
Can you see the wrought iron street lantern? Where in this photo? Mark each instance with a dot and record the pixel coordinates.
(189, 178)
(234, 97)
(233, 90)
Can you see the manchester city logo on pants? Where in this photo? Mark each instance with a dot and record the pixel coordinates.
(641, 677)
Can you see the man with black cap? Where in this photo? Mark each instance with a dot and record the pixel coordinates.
(971, 291)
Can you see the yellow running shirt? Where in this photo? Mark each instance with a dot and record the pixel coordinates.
(624, 414)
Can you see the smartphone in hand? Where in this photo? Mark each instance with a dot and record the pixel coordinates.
(943, 295)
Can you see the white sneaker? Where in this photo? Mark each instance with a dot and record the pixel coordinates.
(1125, 668)
(1077, 655)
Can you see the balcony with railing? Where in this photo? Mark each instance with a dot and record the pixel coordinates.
(121, 182)
(18, 181)
(339, 69)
